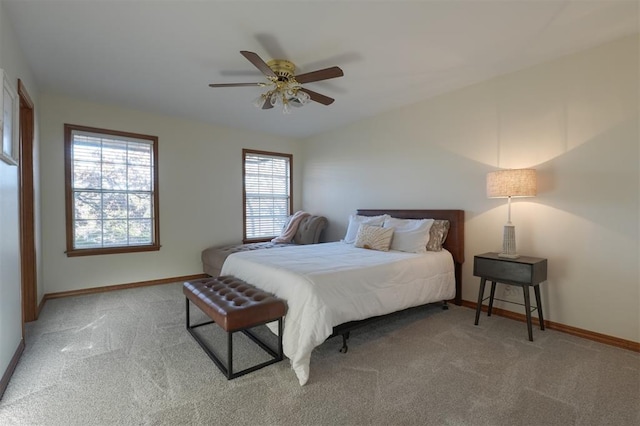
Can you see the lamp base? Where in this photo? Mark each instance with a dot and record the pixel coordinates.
(509, 242)
(508, 256)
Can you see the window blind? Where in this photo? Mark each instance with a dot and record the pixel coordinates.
(112, 185)
(267, 194)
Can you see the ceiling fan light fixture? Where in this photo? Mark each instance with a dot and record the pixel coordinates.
(274, 98)
(283, 87)
(285, 93)
(302, 97)
(283, 90)
(259, 101)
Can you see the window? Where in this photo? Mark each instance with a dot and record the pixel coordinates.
(267, 193)
(111, 190)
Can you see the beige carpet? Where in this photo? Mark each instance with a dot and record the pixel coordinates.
(125, 358)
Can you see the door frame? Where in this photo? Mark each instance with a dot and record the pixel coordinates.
(27, 209)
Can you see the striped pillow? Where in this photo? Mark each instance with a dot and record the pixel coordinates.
(374, 237)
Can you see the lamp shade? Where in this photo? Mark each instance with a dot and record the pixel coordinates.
(511, 183)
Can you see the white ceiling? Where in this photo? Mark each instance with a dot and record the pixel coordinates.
(160, 55)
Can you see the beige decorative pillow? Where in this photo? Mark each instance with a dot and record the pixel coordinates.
(437, 234)
(374, 237)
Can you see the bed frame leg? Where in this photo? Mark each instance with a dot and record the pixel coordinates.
(345, 337)
(445, 306)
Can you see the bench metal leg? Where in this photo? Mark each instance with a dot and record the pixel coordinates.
(228, 369)
(203, 345)
(280, 349)
(229, 355)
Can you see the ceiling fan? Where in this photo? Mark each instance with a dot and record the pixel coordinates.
(283, 86)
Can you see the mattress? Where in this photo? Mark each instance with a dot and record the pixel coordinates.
(332, 283)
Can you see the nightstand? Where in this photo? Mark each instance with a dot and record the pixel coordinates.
(523, 272)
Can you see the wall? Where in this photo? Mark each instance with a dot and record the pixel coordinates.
(14, 66)
(574, 119)
(200, 190)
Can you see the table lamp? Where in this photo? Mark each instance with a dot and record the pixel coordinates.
(507, 184)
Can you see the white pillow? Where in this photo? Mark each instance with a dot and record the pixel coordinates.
(374, 237)
(410, 235)
(354, 224)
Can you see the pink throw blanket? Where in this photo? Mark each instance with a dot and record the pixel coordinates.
(292, 227)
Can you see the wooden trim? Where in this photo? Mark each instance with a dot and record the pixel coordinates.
(68, 193)
(104, 289)
(4, 382)
(22, 91)
(574, 331)
(111, 250)
(28, 268)
(41, 305)
(244, 195)
(244, 190)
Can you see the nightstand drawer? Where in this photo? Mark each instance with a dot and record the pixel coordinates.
(524, 270)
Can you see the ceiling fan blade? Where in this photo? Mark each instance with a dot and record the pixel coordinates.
(236, 85)
(315, 96)
(319, 75)
(258, 63)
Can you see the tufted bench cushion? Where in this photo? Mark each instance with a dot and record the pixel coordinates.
(232, 303)
(235, 306)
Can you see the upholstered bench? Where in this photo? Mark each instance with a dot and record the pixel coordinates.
(235, 306)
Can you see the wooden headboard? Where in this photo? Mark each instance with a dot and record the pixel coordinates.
(454, 242)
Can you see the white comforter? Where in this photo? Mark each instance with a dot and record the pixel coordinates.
(329, 284)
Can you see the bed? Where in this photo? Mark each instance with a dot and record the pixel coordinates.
(331, 287)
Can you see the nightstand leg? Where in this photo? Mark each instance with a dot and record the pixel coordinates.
(527, 307)
(493, 292)
(536, 288)
(480, 295)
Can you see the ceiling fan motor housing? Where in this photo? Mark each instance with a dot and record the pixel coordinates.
(282, 68)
